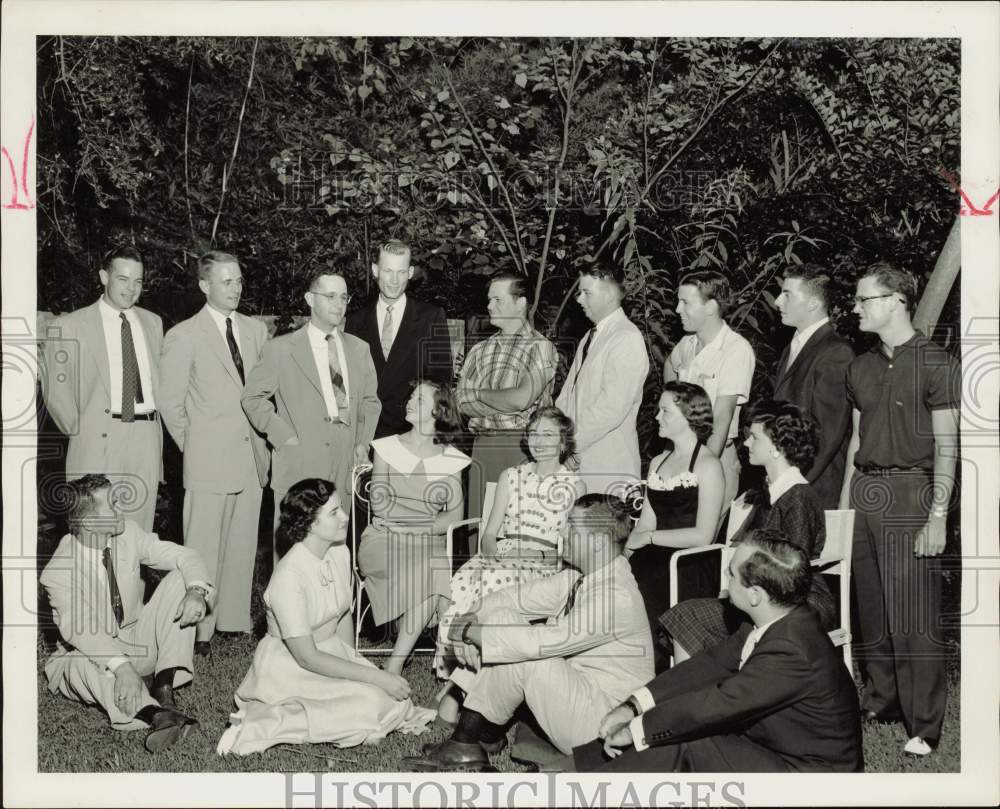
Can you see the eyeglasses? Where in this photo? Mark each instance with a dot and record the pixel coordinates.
(861, 300)
(333, 296)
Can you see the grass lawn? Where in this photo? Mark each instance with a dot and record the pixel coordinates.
(74, 738)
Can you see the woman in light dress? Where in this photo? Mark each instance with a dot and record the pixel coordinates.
(416, 493)
(520, 542)
(306, 682)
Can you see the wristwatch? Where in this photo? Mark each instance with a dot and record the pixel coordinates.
(632, 705)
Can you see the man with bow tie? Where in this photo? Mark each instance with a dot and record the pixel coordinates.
(202, 374)
(325, 404)
(110, 640)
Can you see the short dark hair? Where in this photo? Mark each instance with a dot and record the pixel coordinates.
(606, 271)
(447, 420)
(695, 405)
(298, 512)
(125, 251)
(567, 431)
(608, 512)
(712, 286)
(894, 279)
(320, 272)
(793, 432)
(208, 260)
(779, 567)
(80, 496)
(814, 278)
(518, 283)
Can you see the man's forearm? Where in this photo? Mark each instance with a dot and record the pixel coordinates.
(505, 400)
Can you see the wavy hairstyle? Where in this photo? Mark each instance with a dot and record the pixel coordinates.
(779, 567)
(695, 406)
(567, 431)
(299, 507)
(447, 420)
(793, 432)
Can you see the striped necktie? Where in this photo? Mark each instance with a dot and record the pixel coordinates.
(337, 379)
(116, 596)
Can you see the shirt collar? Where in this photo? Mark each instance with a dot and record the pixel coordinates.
(108, 312)
(219, 318)
(760, 630)
(608, 318)
(790, 477)
(803, 335)
(398, 305)
(317, 337)
(717, 342)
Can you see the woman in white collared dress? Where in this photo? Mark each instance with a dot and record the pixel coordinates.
(416, 493)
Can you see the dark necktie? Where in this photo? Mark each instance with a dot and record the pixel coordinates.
(116, 596)
(339, 391)
(571, 599)
(234, 349)
(583, 355)
(131, 384)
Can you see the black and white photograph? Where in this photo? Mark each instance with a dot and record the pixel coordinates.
(500, 403)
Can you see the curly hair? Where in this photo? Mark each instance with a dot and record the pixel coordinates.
(447, 420)
(567, 431)
(695, 405)
(298, 511)
(778, 566)
(793, 433)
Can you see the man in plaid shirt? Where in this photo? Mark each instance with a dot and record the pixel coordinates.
(503, 380)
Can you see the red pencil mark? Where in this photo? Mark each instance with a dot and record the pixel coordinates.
(968, 208)
(15, 201)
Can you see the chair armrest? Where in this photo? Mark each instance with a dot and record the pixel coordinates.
(478, 521)
(687, 552)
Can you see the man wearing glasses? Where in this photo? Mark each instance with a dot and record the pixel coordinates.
(905, 393)
(326, 405)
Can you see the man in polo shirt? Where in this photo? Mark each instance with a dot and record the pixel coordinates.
(100, 382)
(905, 393)
(503, 380)
(715, 357)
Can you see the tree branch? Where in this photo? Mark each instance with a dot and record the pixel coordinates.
(187, 180)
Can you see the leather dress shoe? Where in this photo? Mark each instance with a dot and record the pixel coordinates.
(202, 648)
(884, 717)
(163, 694)
(449, 756)
(168, 727)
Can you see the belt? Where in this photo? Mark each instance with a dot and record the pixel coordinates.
(885, 471)
(137, 416)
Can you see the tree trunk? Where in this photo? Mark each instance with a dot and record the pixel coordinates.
(939, 285)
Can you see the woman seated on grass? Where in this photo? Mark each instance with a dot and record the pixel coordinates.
(520, 542)
(783, 440)
(306, 682)
(416, 493)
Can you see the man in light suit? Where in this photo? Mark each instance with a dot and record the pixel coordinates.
(812, 373)
(603, 389)
(776, 698)
(100, 386)
(408, 338)
(324, 385)
(205, 362)
(109, 639)
(593, 649)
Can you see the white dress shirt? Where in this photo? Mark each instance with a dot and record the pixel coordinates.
(220, 322)
(398, 307)
(801, 338)
(113, 343)
(318, 343)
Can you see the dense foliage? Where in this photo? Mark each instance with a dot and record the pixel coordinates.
(667, 154)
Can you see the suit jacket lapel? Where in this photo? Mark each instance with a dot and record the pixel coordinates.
(782, 372)
(303, 356)
(218, 345)
(407, 327)
(248, 342)
(95, 342)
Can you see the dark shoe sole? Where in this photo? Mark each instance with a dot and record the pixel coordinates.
(159, 740)
(494, 747)
(203, 648)
(415, 764)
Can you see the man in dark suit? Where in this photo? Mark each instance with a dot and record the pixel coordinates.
(776, 698)
(812, 373)
(408, 338)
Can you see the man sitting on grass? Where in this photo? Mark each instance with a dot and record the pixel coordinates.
(776, 698)
(593, 650)
(109, 638)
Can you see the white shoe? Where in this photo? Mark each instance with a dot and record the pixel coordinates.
(917, 747)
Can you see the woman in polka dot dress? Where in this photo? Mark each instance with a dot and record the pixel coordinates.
(521, 540)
